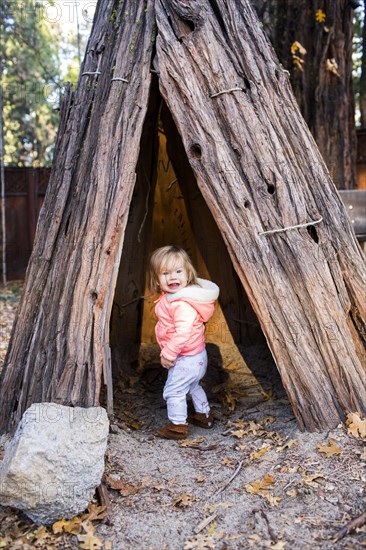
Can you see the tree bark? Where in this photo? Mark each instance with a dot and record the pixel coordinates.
(326, 99)
(60, 340)
(258, 169)
(363, 74)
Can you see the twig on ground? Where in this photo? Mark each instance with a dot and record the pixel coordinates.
(270, 530)
(200, 527)
(351, 526)
(230, 480)
(104, 499)
(207, 448)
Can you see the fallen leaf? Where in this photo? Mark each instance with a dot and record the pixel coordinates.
(41, 535)
(95, 512)
(280, 545)
(239, 423)
(290, 443)
(227, 462)
(183, 501)
(267, 419)
(239, 433)
(310, 479)
(330, 449)
(72, 526)
(116, 484)
(129, 490)
(356, 425)
(273, 501)
(90, 542)
(254, 540)
(258, 454)
(212, 529)
(191, 442)
(262, 488)
(200, 479)
(211, 508)
(200, 542)
(255, 486)
(159, 487)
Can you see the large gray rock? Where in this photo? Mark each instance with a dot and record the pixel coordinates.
(55, 461)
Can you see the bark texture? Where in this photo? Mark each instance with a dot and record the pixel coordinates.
(326, 99)
(257, 167)
(60, 341)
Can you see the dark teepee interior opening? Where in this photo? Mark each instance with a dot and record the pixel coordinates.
(167, 207)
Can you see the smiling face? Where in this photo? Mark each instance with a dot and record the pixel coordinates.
(173, 278)
(171, 269)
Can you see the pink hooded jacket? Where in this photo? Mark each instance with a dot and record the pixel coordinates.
(180, 329)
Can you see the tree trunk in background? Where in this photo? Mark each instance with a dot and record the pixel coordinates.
(326, 100)
(363, 74)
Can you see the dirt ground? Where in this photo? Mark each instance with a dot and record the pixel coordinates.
(252, 481)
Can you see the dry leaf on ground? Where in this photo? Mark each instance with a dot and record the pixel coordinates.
(200, 542)
(183, 501)
(125, 489)
(257, 454)
(329, 450)
(290, 443)
(90, 542)
(262, 488)
(227, 462)
(72, 526)
(191, 442)
(356, 425)
(310, 479)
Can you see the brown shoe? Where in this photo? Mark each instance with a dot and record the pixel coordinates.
(173, 431)
(200, 419)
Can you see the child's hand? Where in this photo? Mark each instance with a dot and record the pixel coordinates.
(165, 362)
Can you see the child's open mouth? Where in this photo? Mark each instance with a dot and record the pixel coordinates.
(174, 285)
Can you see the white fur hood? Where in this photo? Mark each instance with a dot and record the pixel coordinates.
(205, 291)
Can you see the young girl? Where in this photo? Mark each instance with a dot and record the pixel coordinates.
(185, 304)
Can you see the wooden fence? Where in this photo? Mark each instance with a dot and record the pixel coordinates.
(25, 189)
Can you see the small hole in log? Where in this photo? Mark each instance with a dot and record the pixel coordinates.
(189, 24)
(67, 225)
(247, 83)
(94, 295)
(313, 233)
(196, 151)
(108, 251)
(271, 189)
(247, 204)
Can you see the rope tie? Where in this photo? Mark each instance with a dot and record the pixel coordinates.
(226, 92)
(119, 79)
(90, 72)
(93, 72)
(279, 230)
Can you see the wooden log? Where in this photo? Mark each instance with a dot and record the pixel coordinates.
(60, 345)
(259, 170)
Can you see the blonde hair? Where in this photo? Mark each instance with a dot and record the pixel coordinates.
(167, 257)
